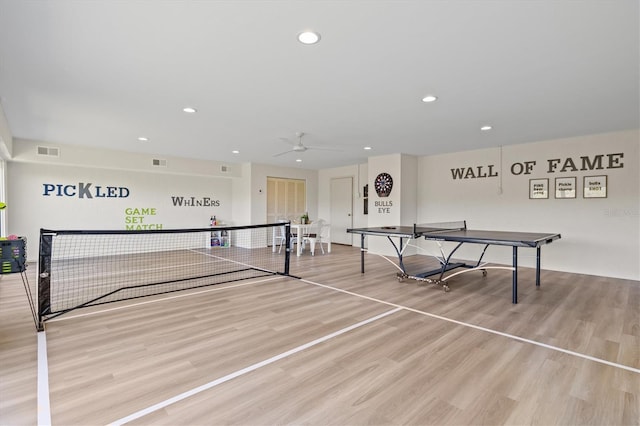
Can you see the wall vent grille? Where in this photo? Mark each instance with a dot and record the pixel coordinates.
(49, 151)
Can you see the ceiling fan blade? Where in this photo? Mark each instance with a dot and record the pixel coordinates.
(324, 148)
(282, 153)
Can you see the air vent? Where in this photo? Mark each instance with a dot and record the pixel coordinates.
(48, 151)
(224, 169)
(159, 163)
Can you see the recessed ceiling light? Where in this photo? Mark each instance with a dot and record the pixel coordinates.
(429, 98)
(189, 110)
(485, 128)
(308, 37)
(143, 139)
(367, 148)
(235, 151)
(298, 160)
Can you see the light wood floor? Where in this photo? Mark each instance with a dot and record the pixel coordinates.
(464, 357)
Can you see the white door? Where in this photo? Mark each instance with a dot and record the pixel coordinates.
(341, 209)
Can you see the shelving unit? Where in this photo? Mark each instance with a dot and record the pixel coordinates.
(220, 238)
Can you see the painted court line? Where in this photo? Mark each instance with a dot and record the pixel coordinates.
(44, 407)
(477, 327)
(213, 256)
(248, 369)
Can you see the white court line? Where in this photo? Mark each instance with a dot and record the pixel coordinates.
(232, 261)
(487, 330)
(163, 299)
(248, 369)
(44, 407)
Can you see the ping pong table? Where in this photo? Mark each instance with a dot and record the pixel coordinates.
(458, 233)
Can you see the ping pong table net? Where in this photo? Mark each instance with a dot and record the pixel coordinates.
(438, 227)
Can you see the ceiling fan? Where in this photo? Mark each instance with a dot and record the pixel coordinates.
(299, 147)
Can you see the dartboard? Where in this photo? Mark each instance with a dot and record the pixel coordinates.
(383, 184)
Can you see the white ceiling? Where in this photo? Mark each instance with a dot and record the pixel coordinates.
(102, 73)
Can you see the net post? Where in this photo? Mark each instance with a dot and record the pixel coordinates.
(287, 246)
(44, 277)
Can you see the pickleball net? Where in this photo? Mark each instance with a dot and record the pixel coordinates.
(81, 268)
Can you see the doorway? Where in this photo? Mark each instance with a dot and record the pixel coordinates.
(341, 203)
(286, 198)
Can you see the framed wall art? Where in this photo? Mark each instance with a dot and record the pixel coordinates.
(566, 187)
(538, 188)
(595, 187)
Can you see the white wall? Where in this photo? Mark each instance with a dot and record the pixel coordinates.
(241, 190)
(599, 236)
(385, 211)
(6, 139)
(409, 189)
(72, 155)
(31, 209)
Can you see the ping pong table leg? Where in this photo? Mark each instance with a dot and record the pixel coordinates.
(538, 266)
(362, 253)
(399, 252)
(514, 286)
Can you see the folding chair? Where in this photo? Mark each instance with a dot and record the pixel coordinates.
(317, 233)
